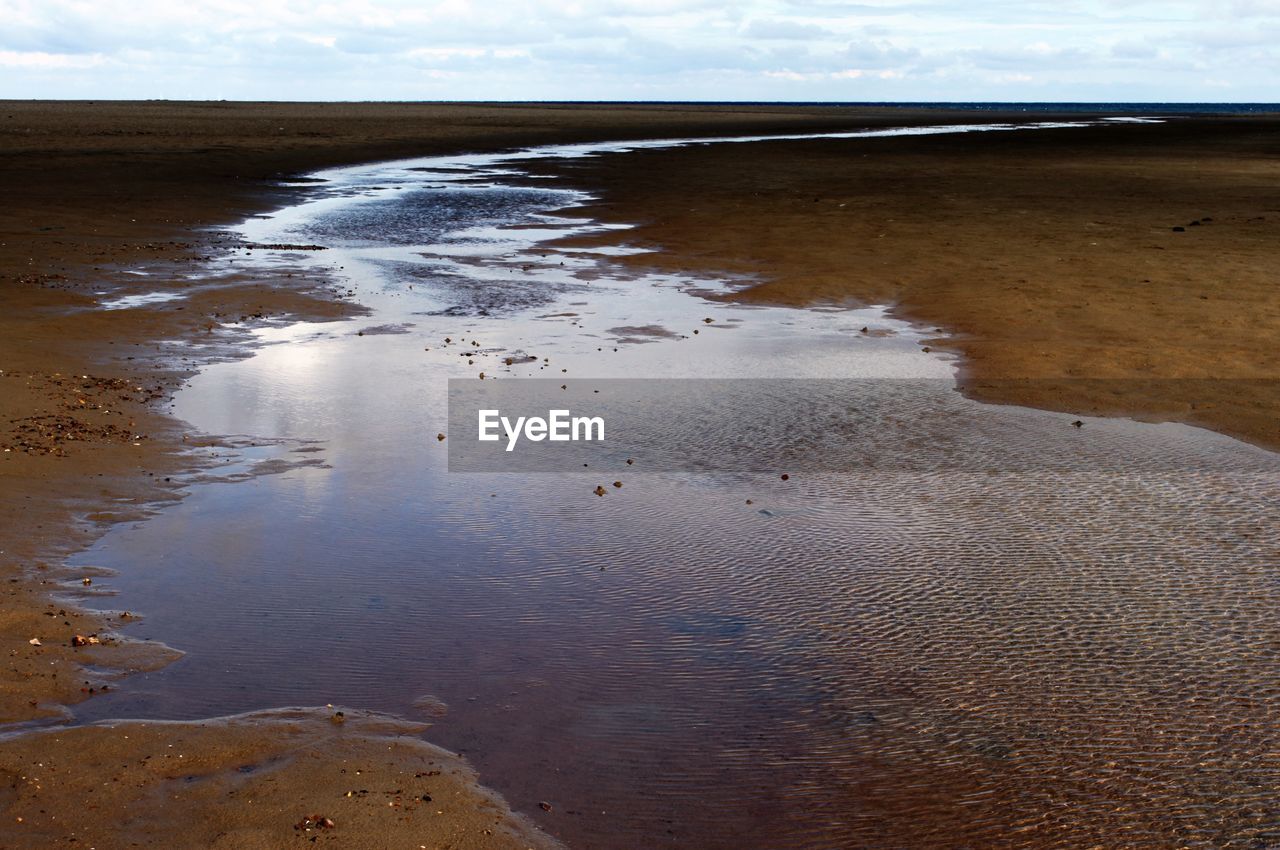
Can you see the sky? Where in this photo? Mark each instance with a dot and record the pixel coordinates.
(757, 50)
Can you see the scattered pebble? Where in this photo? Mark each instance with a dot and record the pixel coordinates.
(311, 822)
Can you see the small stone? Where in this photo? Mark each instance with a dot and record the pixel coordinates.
(545, 806)
(599, 491)
(785, 477)
(311, 822)
(440, 437)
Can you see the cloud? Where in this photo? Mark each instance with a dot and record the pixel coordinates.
(766, 28)
(37, 60)
(879, 54)
(670, 49)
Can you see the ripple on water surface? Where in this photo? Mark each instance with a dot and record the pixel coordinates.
(1074, 654)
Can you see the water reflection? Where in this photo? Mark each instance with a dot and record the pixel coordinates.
(889, 659)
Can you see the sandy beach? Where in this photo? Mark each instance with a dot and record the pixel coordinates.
(1146, 291)
(95, 187)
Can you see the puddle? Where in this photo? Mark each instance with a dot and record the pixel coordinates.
(716, 660)
(126, 302)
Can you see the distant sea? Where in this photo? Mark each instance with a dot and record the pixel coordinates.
(998, 106)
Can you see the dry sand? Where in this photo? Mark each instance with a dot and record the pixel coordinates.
(1047, 255)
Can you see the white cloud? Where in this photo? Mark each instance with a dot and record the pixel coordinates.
(38, 60)
(669, 49)
(774, 28)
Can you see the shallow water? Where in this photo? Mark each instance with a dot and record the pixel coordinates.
(1010, 656)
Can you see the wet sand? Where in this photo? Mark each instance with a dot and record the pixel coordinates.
(96, 190)
(98, 195)
(1118, 270)
(256, 781)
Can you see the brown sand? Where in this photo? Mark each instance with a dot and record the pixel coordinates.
(1047, 259)
(1045, 255)
(267, 780)
(92, 190)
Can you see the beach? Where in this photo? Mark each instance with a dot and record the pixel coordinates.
(1143, 291)
(1089, 303)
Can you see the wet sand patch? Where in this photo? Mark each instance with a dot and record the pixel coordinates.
(640, 334)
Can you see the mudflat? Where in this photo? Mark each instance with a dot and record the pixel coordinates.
(1050, 261)
(92, 191)
(1123, 269)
